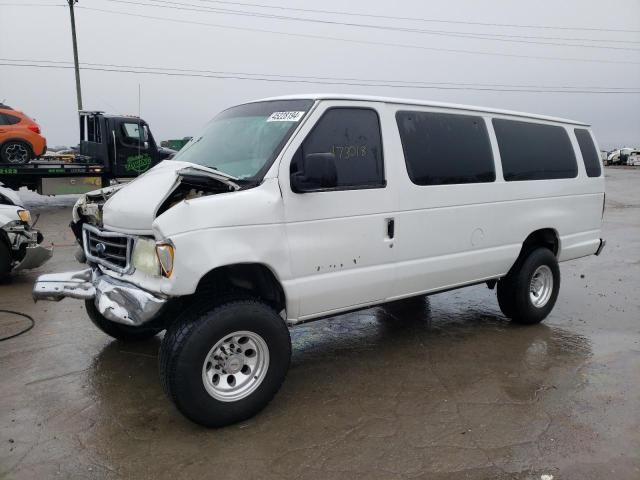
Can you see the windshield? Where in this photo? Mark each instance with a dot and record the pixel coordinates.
(244, 141)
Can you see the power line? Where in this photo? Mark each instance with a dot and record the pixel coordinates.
(417, 19)
(29, 5)
(479, 36)
(309, 77)
(412, 19)
(317, 82)
(366, 42)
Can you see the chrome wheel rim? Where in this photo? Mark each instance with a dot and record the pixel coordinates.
(16, 153)
(541, 286)
(235, 366)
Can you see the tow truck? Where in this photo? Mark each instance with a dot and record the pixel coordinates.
(113, 148)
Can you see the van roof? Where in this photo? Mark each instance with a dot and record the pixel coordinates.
(424, 103)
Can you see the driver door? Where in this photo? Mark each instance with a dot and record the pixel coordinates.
(340, 243)
(135, 151)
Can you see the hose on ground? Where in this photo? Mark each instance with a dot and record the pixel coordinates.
(24, 330)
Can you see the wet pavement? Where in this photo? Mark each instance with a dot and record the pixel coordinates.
(437, 388)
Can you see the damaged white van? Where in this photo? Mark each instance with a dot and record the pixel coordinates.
(296, 208)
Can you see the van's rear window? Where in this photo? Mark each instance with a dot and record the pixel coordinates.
(442, 148)
(589, 152)
(534, 151)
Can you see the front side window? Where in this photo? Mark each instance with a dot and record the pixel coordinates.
(133, 132)
(441, 148)
(589, 152)
(534, 151)
(243, 141)
(353, 136)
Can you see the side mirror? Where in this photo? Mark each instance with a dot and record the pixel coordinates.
(318, 172)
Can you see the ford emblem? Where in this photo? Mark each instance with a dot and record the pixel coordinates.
(101, 248)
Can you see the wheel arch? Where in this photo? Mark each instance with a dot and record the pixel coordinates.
(257, 279)
(17, 139)
(542, 237)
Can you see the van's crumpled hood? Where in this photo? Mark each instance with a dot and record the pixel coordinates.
(133, 208)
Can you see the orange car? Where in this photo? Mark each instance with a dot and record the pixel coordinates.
(20, 138)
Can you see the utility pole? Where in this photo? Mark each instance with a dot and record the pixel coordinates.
(75, 52)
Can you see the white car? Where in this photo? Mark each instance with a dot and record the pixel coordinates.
(296, 208)
(634, 158)
(20, 247)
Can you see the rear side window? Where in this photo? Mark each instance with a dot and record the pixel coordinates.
(534, 151)
(589, 152)
(440, 148)
(93, 130)
(353, 136)
(6, 119)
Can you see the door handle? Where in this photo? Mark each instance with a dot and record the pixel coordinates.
(391, 227)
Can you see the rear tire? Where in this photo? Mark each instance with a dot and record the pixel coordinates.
(224, 364)
(124, 333)
(529, 291)
(505, 297)
(16, 152)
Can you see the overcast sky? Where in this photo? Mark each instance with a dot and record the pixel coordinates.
(178, 106)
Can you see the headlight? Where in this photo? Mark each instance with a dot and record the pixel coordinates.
(144, 257)
(24, 215)
(165, 254)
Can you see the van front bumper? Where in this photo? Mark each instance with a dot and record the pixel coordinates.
(117, 301)
(603, 242)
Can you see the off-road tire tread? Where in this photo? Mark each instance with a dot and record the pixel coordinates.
(180, 330)
(5, 261)
(514, 293)
(505, 296)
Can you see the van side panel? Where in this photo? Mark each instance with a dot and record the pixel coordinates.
(450, 235)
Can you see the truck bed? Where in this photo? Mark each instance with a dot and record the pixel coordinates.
(50, 175)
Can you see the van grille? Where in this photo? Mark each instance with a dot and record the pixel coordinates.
(113, 250)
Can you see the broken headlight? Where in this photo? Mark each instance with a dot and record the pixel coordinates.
(25, 216)
(144, 258)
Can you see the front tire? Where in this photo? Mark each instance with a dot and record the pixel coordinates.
(528, 293)
(124, 333)
(225, 365)
(5, 261)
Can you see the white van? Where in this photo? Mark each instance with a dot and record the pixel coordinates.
(295, 208)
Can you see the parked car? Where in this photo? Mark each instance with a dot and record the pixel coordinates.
(20, 138)
(297, 208)
(621, 156)
(20, 243)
